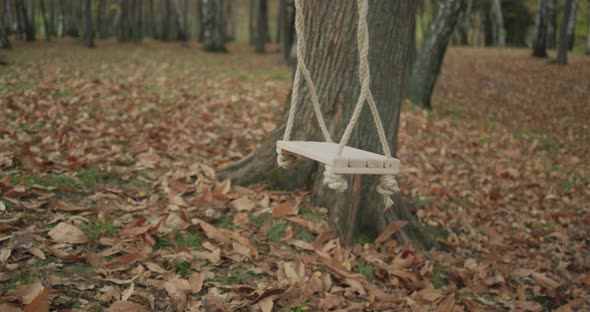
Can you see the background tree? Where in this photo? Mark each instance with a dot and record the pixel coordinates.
(261, 25)
(464, 25)
(286, 28)
(4, 26)
(497, 23)
(571, 26)
(88, 29)
(332, 60)
(26, 24)
(436, 39)
(212, 23)
(588, 21)
(563, 32)
(540, 35)
(551, 24)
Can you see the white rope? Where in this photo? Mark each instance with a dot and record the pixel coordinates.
(283, 160)
(387, 183)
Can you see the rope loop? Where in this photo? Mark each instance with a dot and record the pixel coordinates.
(335, 181)
(387, 187)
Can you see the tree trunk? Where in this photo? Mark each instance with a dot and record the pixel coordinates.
(333, 62)
(45, 20)
(181, 22)
(138, 21)
(498, 28)
(4, 26)
(563, 38)
(540, 36)
(251, 21)
(588, 20)
(27, 24)
(427, 65)
(287, 29)
(89, 28)
(212, 23)
(571, 26)
(551, 24)
(261, 24)
(463, 25)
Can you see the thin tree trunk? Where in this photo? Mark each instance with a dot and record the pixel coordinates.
(4, 26)
(563, 39)
(45, 20)
(464, 25)
(286, 28)
(551, 24)
(498, 28)
(180, 22)
(540, 36)
(251, 22)
(261, 25)
(427, 66)
(588, 21)
(89, 29)
(332, 61)
(571, 26)
(27, 25)
(138, 25)
(212, 23)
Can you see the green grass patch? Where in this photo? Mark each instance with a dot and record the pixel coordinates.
(225, 222)
(19, 278)
(277, 231)
(45, 180)
(258, 220)
(92, 177)
(81, 270)
(440, 277)
(303, 234)
(367, 270)
(310, 215)
(189, 239)
(99, 229)
(183, 269)
(235, 276)
(163, 242)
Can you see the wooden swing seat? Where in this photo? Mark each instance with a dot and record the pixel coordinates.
(352, 160)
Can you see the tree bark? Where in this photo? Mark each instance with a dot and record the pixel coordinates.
(45, 20)
(540, 36)
(138, 21)
(427, 66)
(333, 62)
(287, 29)
(251, 22)
(498, 28)
(463, 25)
(181, 20)
(588, 20)
(212, 23)
(89, 28)
(563, 39)
(571, 26)
(261, 24)
(551, 24)
(4, 26)
(27, 24)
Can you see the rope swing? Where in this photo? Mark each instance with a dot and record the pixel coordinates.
(339, 158)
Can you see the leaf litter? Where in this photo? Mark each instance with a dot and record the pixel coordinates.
(109, 198)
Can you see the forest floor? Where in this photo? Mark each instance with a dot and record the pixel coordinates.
(109, 199)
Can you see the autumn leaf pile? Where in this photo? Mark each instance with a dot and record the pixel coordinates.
(109, 199)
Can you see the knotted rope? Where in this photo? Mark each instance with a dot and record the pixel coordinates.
(387, 183)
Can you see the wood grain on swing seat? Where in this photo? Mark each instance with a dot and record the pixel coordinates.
(352, 160)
